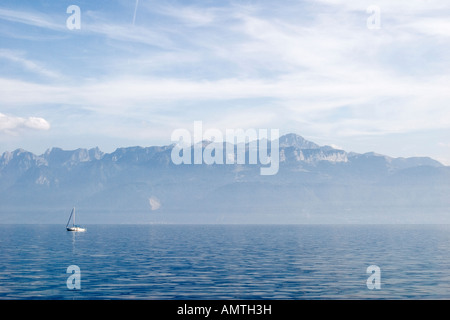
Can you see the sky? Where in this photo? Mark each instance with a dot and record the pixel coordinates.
(358, 75)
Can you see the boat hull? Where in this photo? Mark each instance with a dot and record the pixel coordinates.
(76, 229)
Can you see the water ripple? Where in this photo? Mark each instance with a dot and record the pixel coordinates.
(225, 262)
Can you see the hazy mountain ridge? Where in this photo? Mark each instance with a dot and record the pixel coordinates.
(141, 184)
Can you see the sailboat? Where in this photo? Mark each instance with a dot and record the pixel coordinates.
(74, 227)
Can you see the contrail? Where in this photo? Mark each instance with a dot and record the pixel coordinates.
(135, 9)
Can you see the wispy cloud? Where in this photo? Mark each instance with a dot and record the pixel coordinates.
(30, 18)
(308, 66)
(189, 15)
(29, 65)
(124, 32)
(93, 23)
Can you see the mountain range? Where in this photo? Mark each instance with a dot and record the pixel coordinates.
(314, 184)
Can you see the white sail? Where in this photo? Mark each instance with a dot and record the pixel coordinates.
(70, 217)
(74, 227)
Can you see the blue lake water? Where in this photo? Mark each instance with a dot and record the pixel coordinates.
(225, 261)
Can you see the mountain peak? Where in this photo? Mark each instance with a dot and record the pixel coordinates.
(57, 155)
(294, 140)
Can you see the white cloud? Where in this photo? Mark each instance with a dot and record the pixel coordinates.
(12, 124)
